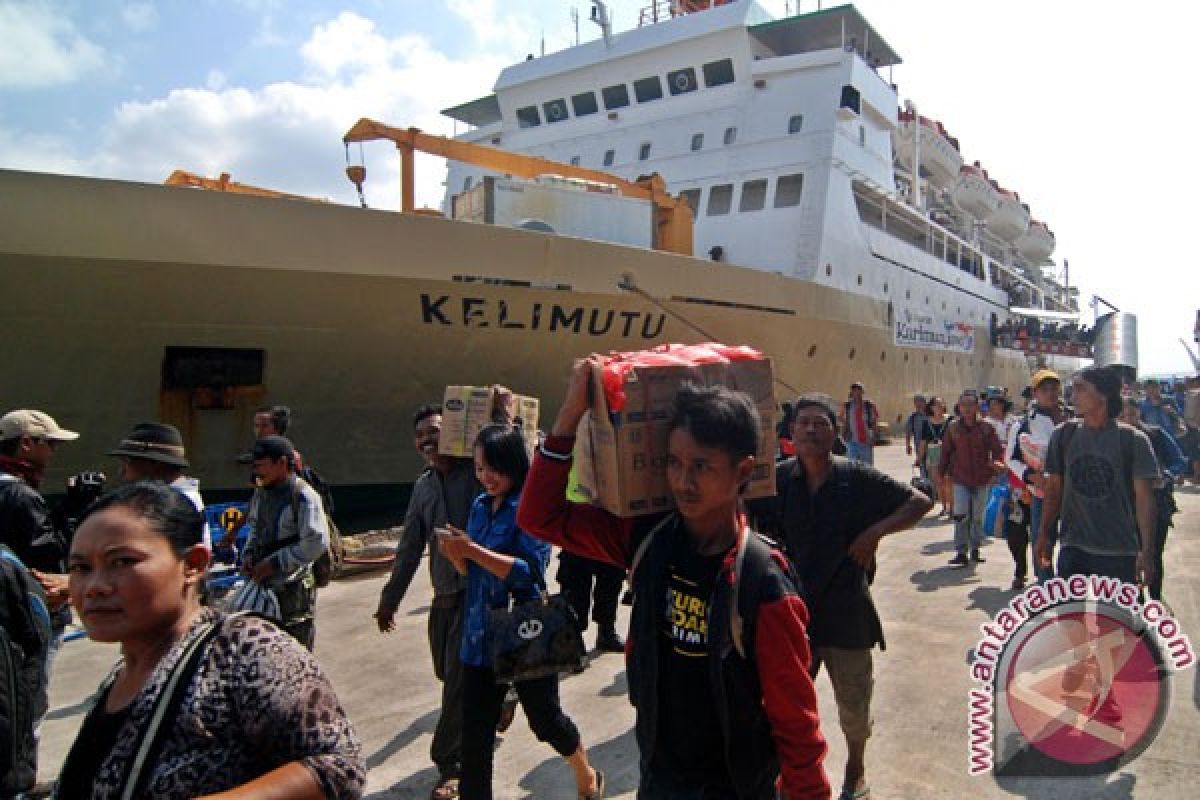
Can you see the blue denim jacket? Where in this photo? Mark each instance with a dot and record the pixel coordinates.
(498, 532)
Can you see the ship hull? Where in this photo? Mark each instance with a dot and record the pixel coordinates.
(357, 317)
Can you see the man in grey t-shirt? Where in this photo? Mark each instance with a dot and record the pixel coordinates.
(1100, 478)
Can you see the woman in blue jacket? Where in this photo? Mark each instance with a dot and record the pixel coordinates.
(501, 561)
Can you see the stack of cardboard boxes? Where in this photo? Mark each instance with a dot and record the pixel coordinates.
(621, 456)
(466, 410)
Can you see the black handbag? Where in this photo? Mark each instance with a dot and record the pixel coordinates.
(535, 638)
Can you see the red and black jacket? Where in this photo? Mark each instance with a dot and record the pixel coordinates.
(766, 700)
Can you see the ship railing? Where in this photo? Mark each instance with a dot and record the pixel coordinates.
(890, 213)
(662, 10)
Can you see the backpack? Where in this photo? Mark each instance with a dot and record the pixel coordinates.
(753, 557)
(25, 634)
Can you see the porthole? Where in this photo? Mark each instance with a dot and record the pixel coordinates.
(908, 294)
(812, 351)
(943, 305)
(926, 301)
(906, 358)
(883, 356)
(860, 280)
(853, 350)
(828, 269)
(926, 359)
(885, 288)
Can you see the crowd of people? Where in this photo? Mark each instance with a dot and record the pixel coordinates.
(737, 604)
(1035, 330)
(1022, 466)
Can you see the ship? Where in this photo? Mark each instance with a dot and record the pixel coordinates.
(836, 229)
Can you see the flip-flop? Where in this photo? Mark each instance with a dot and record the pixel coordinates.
(599, 793)
(447, 789)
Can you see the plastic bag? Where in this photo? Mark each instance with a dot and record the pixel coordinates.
(250, 595)
(618, 365)
(996, 511)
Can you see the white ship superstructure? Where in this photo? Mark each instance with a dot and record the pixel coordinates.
(787, 138)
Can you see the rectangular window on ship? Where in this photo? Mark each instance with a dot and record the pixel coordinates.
(584, 104)
(720, 199)
(616, 96)
(647, 89)
(788, 189)
(718, 73)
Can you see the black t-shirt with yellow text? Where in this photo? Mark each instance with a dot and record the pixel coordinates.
(689, 733)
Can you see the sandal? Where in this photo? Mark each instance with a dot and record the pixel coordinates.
(861, 793)
(598, 794)
(447, 789)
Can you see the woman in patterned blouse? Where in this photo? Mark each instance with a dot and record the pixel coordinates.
(201, 704)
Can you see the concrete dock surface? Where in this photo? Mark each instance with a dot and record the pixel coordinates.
(931, 616)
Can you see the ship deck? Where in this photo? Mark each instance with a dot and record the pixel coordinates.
(931, 615)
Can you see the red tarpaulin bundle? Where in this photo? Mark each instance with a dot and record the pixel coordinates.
(618, 365)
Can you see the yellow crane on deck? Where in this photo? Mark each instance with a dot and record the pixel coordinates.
(672, 215)
(223, 184)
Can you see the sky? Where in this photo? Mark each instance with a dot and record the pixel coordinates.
(1075, 106)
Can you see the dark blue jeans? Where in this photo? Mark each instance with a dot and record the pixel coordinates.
(1073, 561)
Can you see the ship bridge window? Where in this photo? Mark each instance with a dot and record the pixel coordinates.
(692, 198)
(647, 89)
(584, 104)
(528, 117)
(730, 135)
(754, 195)
(850, 98)
(795, 123)
(720, 199)
(682, 81)
(616, 96)
(644, 151)
(556, 110)
(788, 190)
(718, 73)
(609, 155)
(697, 141)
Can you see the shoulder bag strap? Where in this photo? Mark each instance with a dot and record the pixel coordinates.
(736, 623)
(166, 709)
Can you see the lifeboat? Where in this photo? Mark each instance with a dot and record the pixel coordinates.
(939, 156)
(1037, 243)
(1010, 219)
(974, 193)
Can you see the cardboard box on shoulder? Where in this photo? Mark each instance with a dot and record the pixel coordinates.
(621, 456)
(466, 410)
(1191, 407)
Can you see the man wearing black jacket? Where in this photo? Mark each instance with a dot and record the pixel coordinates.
(28, 440)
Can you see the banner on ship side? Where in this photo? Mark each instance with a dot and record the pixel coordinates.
(912, 329)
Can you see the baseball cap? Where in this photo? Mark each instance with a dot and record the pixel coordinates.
(996, 391)
(1043, 375)
(274, 448)
(35, 424)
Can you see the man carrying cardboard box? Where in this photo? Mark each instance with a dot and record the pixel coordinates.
(718, 657)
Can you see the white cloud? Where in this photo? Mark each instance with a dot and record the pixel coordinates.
(42, 48)
(140, 17)
(287, 135)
